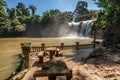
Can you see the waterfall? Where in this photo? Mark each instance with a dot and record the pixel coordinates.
(73, 29)
(86, 28)
(80, 29)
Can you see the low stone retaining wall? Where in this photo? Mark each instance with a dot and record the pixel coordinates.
(20, 75)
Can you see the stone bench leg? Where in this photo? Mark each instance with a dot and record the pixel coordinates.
(51, 77)
(69, 77)
(51, 54)
(57, 54)
(40, 59)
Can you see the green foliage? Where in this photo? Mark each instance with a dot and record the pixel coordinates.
(26, 45)
(2, 3)
(12, 13)
(35, 19)
(81, 10)
(17, 63)
(20, 6)
(14, 19)
(55, 17)
(62, 17)
(20, 28)
(93, 14)
(15, 22)
(54, 12)
(47, 18)
(33, 8)
(2, 16)
(109, 19)
(111, 14)
(81, 7)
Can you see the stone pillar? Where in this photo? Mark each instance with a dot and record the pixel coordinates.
(40, 58)
(94, 45)
(62, 45)
(57, 54)
(51, 54)
(43, 46)
(69, 77)
(25, 51)
(77, 45)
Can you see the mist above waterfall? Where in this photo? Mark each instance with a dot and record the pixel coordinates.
(78, 29)
(72, 29)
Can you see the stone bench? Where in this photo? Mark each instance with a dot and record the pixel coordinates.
(52, 69)
(35, 61)
(40, 55)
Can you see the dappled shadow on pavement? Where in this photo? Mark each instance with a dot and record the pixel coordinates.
(104, 67)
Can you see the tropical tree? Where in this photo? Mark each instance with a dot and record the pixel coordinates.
(81, 10)
(21, 9)
(33, 9)
(17, 17)
(55, 17)
(22, 12)
(46, 18)
(59, 16)
(93, 14)
(63, 17)
(3, 16)
(54, 12)
(35, 19)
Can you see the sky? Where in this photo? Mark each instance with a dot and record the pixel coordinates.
(43, 5)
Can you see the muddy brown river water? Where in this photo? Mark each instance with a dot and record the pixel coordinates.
(10, 47)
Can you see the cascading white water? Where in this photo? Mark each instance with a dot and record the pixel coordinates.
(80, 29)
(86, 28)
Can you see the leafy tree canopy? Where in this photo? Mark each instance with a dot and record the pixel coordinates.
(109, 19)
(33, 9)
(81, 10)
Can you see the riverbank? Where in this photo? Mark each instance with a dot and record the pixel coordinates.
(19, 67)
(9, 49)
